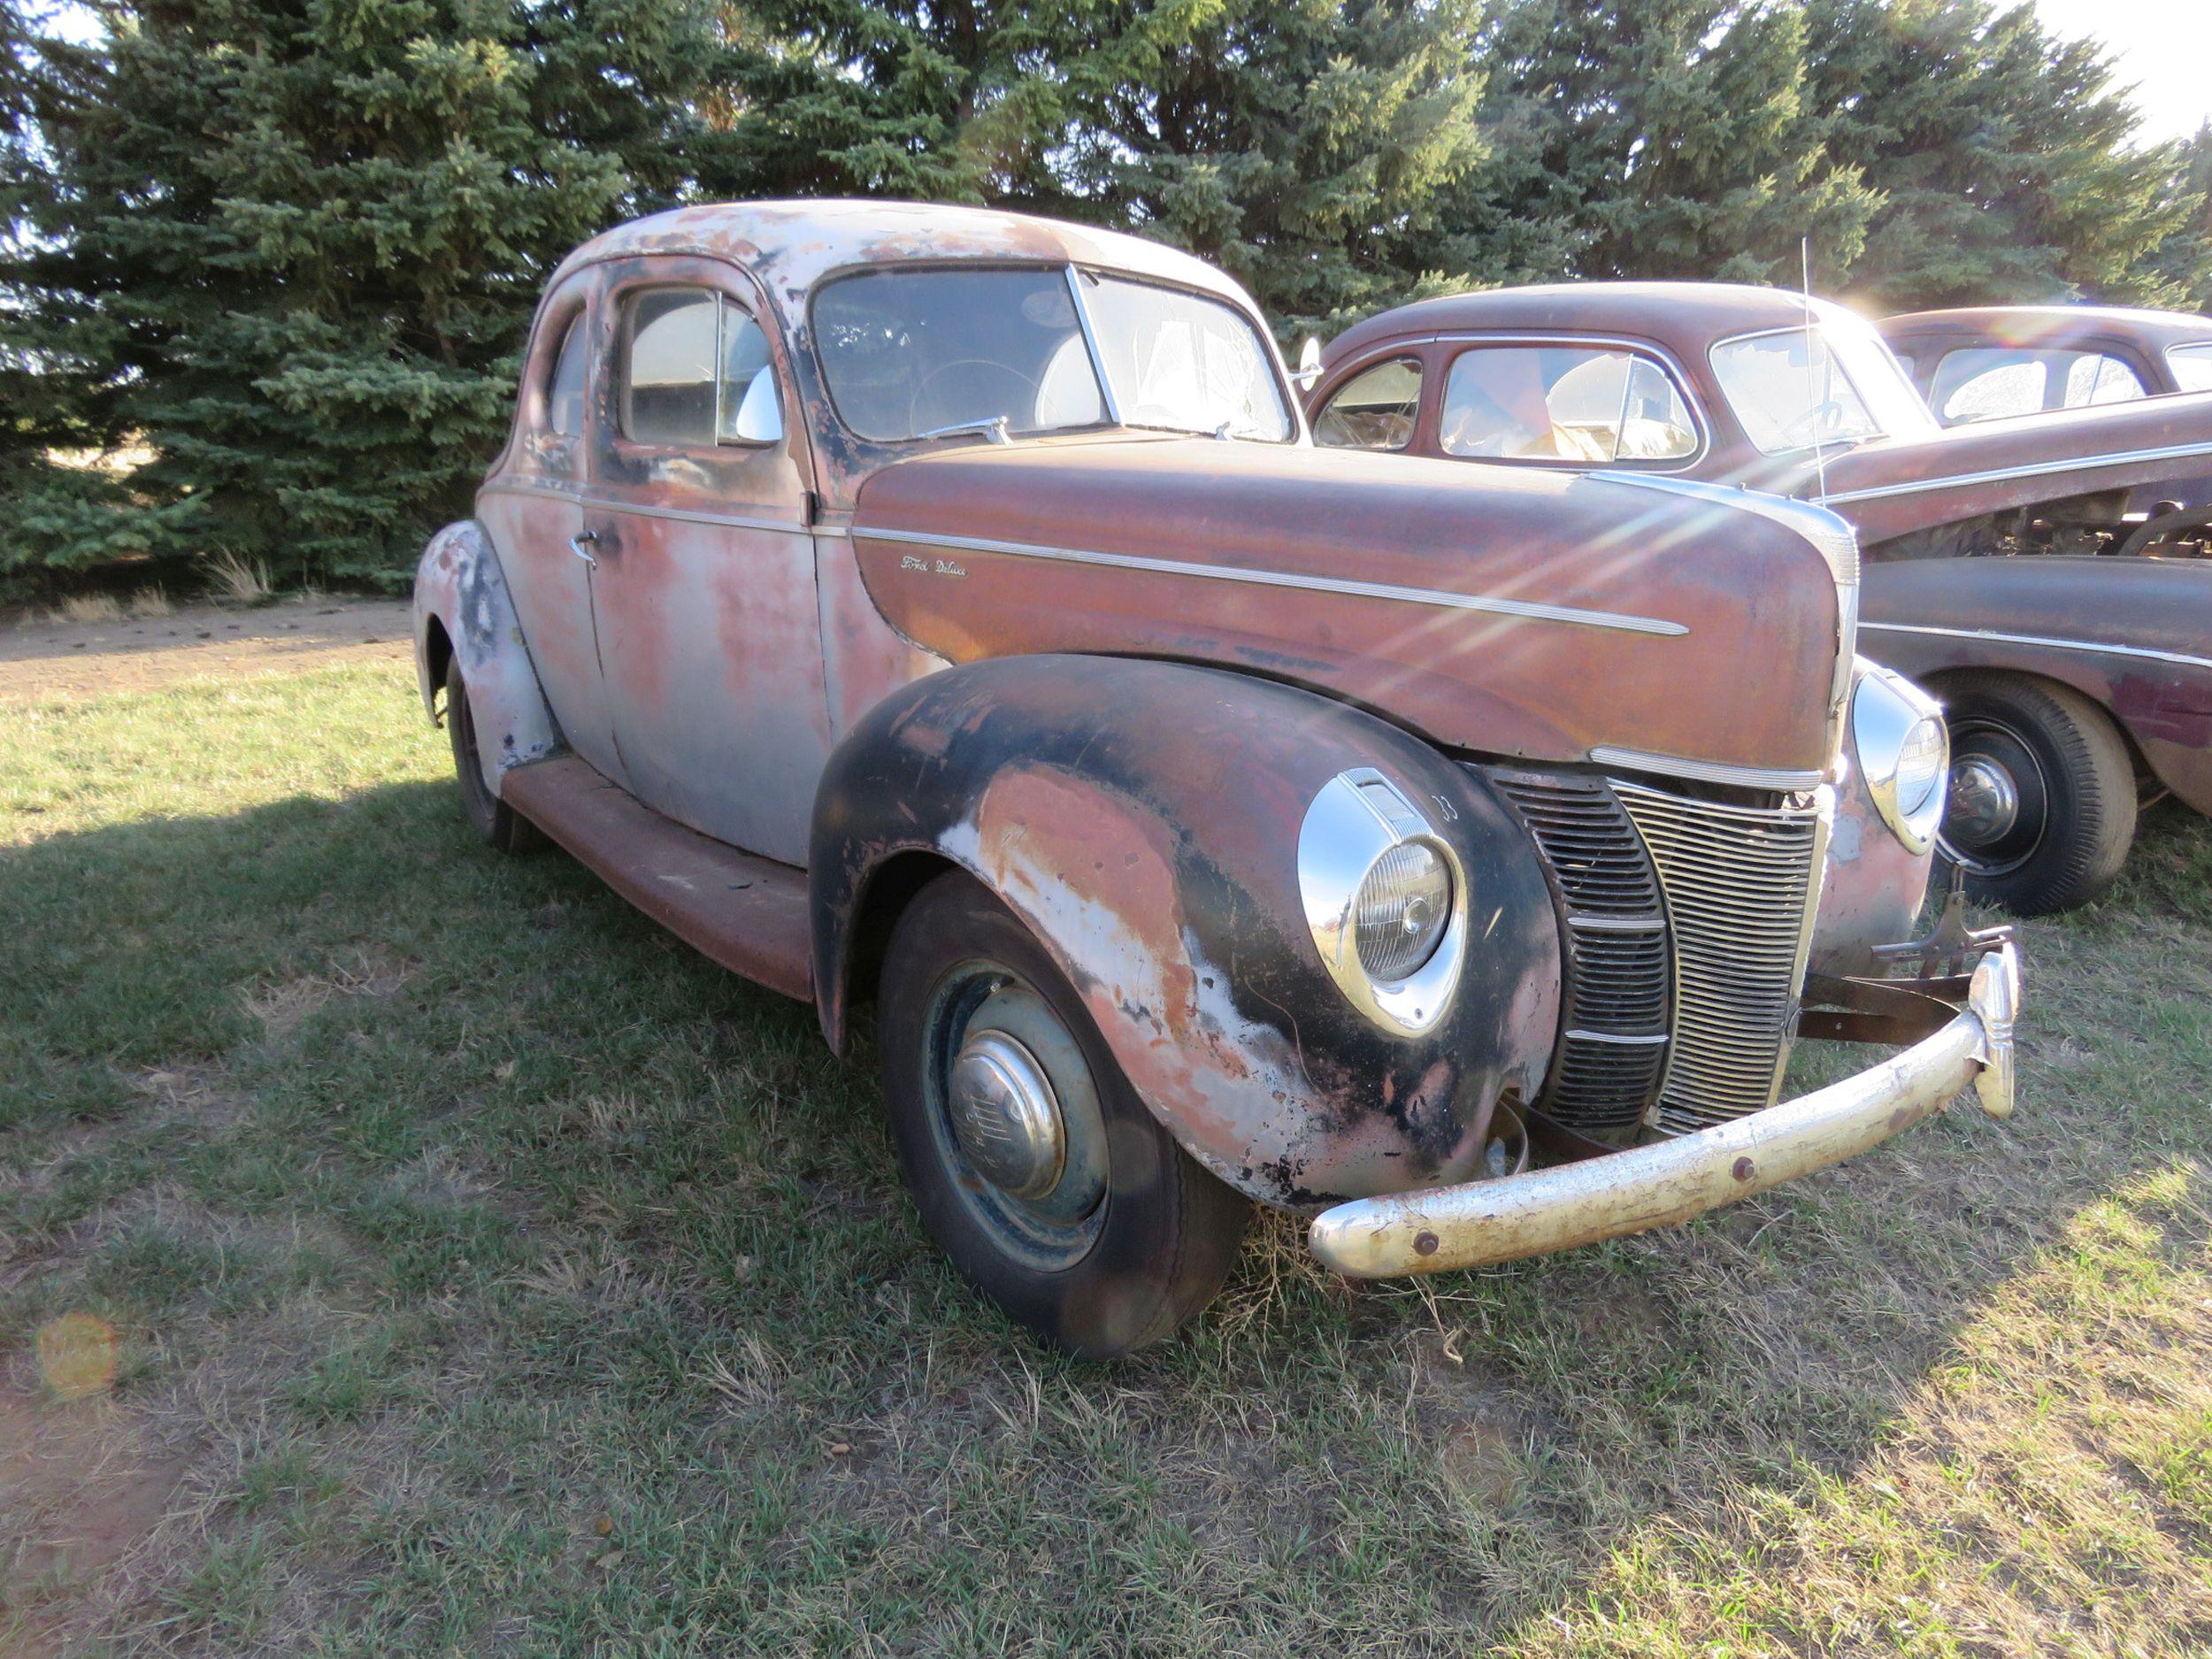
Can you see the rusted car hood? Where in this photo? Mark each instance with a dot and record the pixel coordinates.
(1891, 486)
(1513, 613)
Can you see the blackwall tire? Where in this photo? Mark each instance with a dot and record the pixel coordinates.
(1127, 1237)
(2041, 809)
(503, 827)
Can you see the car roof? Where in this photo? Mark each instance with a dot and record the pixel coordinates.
(792, 246)
(1685, 316)
(2034, 324)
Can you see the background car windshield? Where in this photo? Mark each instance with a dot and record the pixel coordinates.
(1832, 383)
(911, 352)
(1184, 362)
(2192, 367)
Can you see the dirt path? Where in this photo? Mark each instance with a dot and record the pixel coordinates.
(52, 658)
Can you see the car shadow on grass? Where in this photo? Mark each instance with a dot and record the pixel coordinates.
(483, 1269)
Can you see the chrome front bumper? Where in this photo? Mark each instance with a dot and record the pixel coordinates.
(1670, 1181)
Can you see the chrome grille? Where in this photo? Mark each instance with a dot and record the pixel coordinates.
(1615, 1003)
(1740, 882)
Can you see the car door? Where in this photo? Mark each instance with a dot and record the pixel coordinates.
(533, 512)
(703, 583)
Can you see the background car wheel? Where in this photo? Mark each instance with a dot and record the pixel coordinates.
(496, 821)
(1033, 1163)
(2041, 808)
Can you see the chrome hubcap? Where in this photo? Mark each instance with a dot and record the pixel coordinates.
(1984, 802)
(1015, 1113)
(1005, 1115)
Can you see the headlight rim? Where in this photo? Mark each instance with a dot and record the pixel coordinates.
(1352, 821)
(1886, 710)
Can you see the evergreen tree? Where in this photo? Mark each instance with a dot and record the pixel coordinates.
(1675, 137)
(2184, 260)
(1311, 147)
(2001, 152)
(296, 245)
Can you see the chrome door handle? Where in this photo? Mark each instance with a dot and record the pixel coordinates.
(576, 546)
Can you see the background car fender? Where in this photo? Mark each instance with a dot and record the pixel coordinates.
(1141, 818)
(463, 610)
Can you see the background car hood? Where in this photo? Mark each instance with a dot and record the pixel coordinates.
(1518, 613)
(1893, 485)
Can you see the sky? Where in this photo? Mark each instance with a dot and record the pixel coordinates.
(2164, 47)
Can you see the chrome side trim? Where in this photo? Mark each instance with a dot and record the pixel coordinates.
(2029, 469)
(1706, 771)
(1529, 609)
(1993, 636)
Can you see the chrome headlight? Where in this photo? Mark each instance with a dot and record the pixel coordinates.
(1386, 898)
(1904, 752)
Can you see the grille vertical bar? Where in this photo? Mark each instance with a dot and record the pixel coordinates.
(1615, 1011)
(1741, 885)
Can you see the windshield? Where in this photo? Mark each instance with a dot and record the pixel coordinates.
(2192, 366)
(1832, 383)
(918, 353)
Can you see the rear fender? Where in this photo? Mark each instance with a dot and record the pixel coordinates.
(1142, 819)
(461, 596)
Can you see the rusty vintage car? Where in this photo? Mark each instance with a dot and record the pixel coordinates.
(2077, 676)
(946, 609)
(1993, 362)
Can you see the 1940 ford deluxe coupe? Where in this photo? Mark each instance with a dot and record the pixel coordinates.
(947, 609)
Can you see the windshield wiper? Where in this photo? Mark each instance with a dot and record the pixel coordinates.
(995, 429)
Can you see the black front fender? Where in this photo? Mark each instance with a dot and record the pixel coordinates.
(1142, 819)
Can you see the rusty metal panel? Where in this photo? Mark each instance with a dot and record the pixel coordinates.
(1143, 818)
(1527, 614)
(748, 914)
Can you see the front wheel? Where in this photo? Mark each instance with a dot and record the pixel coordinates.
(1034, 1163)
(2041, 808)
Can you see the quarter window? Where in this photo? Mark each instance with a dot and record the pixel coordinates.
(1592, 406)
(564, 396)
(695, 371)
(1374, 410)
(1990, 382)
(2192, 367)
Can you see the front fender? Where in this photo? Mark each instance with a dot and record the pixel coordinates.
(1142, 819)
(460, 588)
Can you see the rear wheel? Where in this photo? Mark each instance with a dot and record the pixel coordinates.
(1034, 1163)
(2041, 808)
(499, 823)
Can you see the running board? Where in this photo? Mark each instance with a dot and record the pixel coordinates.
(748, 914)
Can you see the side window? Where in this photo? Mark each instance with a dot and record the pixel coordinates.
(2192, 367)
(1989, 382)
(695, 371)
(1589, 405)
(1374, 410)
(565, 393)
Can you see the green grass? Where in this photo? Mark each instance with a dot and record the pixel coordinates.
(488, 1275)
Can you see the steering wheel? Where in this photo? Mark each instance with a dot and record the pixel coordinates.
(1809, 423)
(1021, 381)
